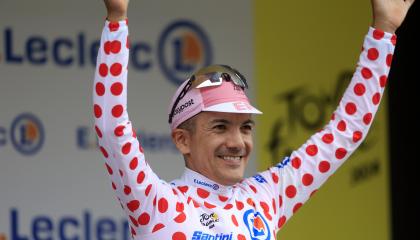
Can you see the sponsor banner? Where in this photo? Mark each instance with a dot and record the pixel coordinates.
(53, 180)
(306, 53)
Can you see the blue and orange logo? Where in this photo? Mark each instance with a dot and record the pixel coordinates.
(183, 48)
(27, 134)
(257, 225)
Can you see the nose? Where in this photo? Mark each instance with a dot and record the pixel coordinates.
(235, 141)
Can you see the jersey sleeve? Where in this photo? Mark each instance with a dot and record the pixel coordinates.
(291, 182)
(136, 186)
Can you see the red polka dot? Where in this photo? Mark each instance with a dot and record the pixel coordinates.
(116, 69)
(275, 177)
(373, 54)
(113, 26)
(367, 118)
(328, 138)
(183, 189)
(109, 169)
(147, 191)
(179, 207)
(157, 227)
(97, 111)
(253, 188)
(296, 162)
(126, 148)
(116, 88)
(235, 222)
(250, 202)
(100, 89)
(121, 173)
(133, 232)
(119, 131)
(324, 166)
(228, 206)
(114, 186)
(376, 98)
(104, 152)
(115, 46)
(144, 219)
(382, 80)
(281, 222)
(209, 205)
(133, 205)
(241, 237)
(378, 34)
(357, 136)
(98, 132)
(342, 126)
(366, 73)
(223, 198)
(274, 205)
(162, 205)
(265, 206)
(103, 70)
(340, 153)
(280, 201)
(394, 39)
(296, 207)
(389, 59)
(312, 150)
(291, 191)
(127, 189)
(117, 111)
(179, 236)
(359, 89)
(202, 193)
(140, 177)
(307, 179)
(133, 163)
(180, 218)
(239, 205)
(134, 221)
(351, 108)
(107, 47)
(127, 43)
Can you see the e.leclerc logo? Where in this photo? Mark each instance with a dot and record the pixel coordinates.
(26, 134)
(257, 225)
(182, 48)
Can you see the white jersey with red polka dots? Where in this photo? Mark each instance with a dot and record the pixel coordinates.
(197, 208)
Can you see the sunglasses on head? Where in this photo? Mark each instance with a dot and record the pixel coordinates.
(208, 77)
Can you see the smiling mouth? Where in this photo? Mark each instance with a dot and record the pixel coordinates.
(234, 160)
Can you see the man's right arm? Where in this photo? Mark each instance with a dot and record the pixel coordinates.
(135, 184)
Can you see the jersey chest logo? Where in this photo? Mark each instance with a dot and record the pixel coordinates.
(257, 225)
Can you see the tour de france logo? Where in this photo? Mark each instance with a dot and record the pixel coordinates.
(183, 48)
(257, 225)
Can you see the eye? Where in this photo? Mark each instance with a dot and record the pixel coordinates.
(219, 127)
(247, 127)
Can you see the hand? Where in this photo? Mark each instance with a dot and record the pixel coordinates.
(389, 14)
(117, 9)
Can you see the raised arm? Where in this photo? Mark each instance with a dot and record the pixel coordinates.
(294, 179)
(135, 184)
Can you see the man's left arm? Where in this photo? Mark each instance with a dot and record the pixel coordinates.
(294, 180)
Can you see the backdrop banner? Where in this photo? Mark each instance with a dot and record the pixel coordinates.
(53, 181)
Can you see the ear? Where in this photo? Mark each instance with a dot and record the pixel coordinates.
(182, 140)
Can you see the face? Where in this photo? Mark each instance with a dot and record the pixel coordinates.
(220, 146)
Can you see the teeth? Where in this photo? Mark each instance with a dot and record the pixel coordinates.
(231, 158)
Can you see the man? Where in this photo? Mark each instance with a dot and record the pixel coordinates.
(211, 122)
